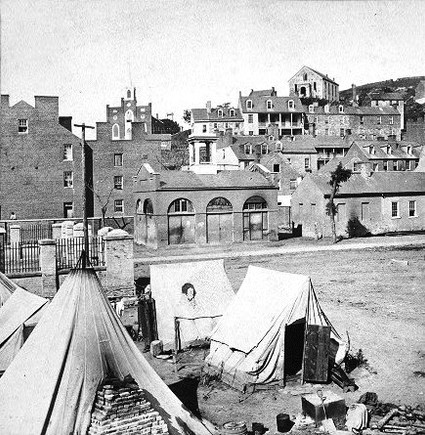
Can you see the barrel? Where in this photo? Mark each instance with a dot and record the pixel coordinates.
(234, 428)
(284, 424)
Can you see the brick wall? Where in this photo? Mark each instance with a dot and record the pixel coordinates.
(32, 164)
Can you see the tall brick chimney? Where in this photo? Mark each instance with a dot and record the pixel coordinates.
(353, 87)
(208, 107)
(227, 139)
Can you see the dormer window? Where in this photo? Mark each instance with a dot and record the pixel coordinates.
(269, 104)
(278, 146)
(371, 149)
(232, 112)
(326, 108)
(249, 104)
(311, 108)
(220, 113)
(248, 148)
(341, 108)
(409, 150)
(291, 104)
(389, 150)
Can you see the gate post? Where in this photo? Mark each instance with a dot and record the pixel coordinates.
(48, 267)
(15, 233)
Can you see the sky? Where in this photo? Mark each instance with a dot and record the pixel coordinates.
(181, 53)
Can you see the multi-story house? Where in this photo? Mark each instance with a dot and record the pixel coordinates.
(375, 123)
(118, 154)
(309, 83)
(389, 99)
(206, 127)
(264, 113)
(40, 162)
(381, 156)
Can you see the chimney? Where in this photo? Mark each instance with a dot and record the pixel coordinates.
(5, 101)
(208, 107)
(273, 91)
(228, 137)
(134, 95)
(353, 87)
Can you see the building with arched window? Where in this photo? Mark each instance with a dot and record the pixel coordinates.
(309, 83)
(189, 208)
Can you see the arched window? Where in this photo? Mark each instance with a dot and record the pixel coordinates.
(290, 104)
(255, 218)
(219, 204)
(139, 207)
(128, 94)
(269, 104)
(232, 112)
(327, 108)
(341, 108)
(147, 207)
(129, 116)
(115, 131)
(180, 205)
(249, 104)
(311, 108)
(220, 113)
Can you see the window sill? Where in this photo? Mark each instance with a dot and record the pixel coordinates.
(413, 217)
(395, 217)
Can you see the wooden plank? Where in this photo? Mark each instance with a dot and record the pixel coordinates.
(316, 353)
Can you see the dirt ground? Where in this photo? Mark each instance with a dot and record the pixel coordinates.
(377, 295)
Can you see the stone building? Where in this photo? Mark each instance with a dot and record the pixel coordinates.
(183, 207)
(369, 202)
(40, 162)
(379, 122)
(381, 156)
(389, 99)
(264, 113)
(309, 83)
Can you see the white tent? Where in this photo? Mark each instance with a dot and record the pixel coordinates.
(50, 387)
(18, 316)
(262, 335)
(7, 287)
(196, 317)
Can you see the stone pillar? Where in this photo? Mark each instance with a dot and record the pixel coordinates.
(56, 231)
(15, 233)
(119, 277)
(48, 267)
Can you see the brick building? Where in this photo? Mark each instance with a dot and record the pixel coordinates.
(40, 162)
(369, 202)
(309, 83)
(182, 207)
(117, 161)
(264, 113)
(374, 123)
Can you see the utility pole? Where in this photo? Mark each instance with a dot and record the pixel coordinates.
(83, 169)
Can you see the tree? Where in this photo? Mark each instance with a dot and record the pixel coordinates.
(187, 116)
(338, 176)
(169, 126)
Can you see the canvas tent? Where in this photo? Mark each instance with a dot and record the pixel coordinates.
(273, 327)
(196, 318)
(50, 386)
(7, 287)
(18, 316)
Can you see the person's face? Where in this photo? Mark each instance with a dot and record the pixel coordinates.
(190, 293)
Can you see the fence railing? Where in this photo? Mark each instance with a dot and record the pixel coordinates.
(68, 252)
(24, 257)
(21, 257)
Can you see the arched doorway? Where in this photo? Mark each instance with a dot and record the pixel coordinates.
(181, 222)
(146, 228)
(303, 91)
(219, 221)
(255, 219)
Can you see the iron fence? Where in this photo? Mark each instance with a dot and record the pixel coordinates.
(68, 252)
(35, 231)
(21, 257)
